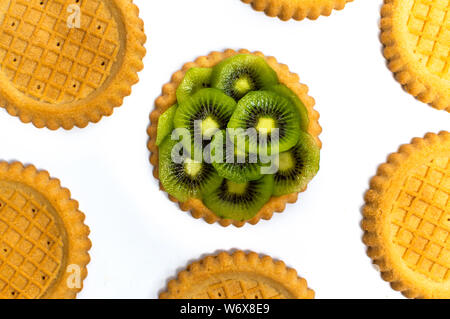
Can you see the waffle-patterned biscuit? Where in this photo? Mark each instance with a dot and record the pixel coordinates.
(43, 241)
(407, 218)
(416, 36)
(168, 98)
(297, 9)
(57, 73)
(238, 276)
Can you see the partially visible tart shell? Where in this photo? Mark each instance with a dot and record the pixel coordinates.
(238, 276)
(43, 239)
(416, 43)
(297, 9)
(168, 98)
(55, 75)
(407, 218)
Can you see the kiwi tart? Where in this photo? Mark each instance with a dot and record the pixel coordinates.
(247, 92)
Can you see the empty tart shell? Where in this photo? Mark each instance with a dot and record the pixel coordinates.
(168, 98)
(416, 41)
(297, 9)
(68, 63)
(407, 218)
(44, 242)
(238, 275)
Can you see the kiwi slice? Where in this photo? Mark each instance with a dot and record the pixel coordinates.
(211, 108)
(195, 79)
(239, 201)
(184, 178)
(242, 73)
(165, 124)
(231, 163)
(262, 112)
(284, 91)
(297, 167)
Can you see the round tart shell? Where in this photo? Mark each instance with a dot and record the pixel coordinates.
(168, 98)
(104, 99)
(199, 279)
(70, 221)
(415, 78)
(400, 231)
(297, 9)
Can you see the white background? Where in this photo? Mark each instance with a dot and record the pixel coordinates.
(141, 239)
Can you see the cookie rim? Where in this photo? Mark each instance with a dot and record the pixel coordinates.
(286, 10)
(78, 241)
(262, 265)
(400, 62)
(168, 98)
(92, 108)
(371, 225)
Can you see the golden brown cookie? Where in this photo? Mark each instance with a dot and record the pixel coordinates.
(407, 218)
(168, 98)
(416, 37)
(297, 9)
(238, 276)
(65, 63)
(44, 243)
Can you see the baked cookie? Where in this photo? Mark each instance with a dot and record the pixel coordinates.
(407, 218)
(416, 37)
(230, 90)
(44, 243)
(238, 276)
(65, 63)
(297, 9)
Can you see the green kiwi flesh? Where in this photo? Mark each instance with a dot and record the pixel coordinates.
(231, 163)
(165, 124)
(187, 179)
(239, 201)
(194, 80)
(242, 73)
(284, 91)
(297, 167)
(210, 106)
(264, 111)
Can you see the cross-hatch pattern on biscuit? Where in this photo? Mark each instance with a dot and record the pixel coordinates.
(420, 220)
(31, 245)
(429, 26)
(47, 60)
(239, 289)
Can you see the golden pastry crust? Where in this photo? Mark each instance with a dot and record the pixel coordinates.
(407, 218)
(168, 98)
(417, 44)
(43, 239)
(238, 276)
(297, 9)
(57, 75)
